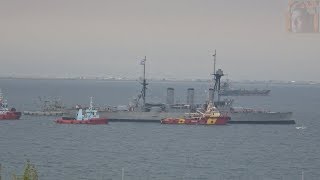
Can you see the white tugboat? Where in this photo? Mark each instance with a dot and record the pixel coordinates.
(90, 116)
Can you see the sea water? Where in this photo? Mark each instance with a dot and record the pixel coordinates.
(156, 151)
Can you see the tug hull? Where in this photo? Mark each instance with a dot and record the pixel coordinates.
(196, 121)
(10, 115)
(93, 121)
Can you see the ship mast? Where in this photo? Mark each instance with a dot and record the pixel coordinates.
(91, 104)
(144, 81)
(1, 97)
(214, 61)
(216, 77)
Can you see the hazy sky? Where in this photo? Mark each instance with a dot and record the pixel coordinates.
(109, 37)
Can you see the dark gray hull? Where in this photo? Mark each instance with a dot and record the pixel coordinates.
(236, 118)
(240, 92)
(43, 113)
(261, 118)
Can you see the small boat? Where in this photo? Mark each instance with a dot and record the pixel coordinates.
(48, 107)
(210, 117)
(301, 127)
(90, 116)
(5, 112)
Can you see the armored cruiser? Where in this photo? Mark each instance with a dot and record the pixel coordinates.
(226, 90)
(140, 111)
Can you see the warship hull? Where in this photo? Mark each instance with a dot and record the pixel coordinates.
(261, 118)
(236, 118)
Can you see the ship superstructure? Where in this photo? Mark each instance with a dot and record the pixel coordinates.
(245, 115)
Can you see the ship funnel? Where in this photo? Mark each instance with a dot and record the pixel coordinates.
(190, 97)
(211, 95)
(170, 96)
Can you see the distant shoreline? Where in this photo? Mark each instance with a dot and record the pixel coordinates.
(166, 80)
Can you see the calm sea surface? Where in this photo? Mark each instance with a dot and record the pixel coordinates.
(154, 151)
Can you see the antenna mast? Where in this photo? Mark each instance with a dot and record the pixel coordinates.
(214, 61)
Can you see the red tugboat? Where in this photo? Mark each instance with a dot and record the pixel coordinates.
(90, 116)
(211, 117)
(5, 113)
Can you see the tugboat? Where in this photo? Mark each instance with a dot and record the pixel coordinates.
(5, 113)
(90, 116)
(210, 117)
